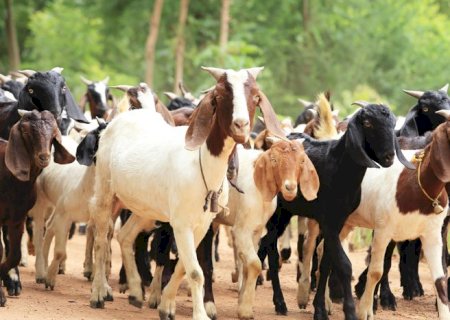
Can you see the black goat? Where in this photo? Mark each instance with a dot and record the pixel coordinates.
(43, 91)
(341, 165)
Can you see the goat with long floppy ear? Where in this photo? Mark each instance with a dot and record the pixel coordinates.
(202, 118)
(17, 157)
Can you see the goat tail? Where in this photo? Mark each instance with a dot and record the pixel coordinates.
(326, 128)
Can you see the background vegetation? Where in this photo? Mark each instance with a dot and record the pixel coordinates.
(357, 49)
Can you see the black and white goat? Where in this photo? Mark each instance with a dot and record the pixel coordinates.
(341, 165)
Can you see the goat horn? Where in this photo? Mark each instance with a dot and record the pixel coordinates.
(361, 103)
(414, 93)
(86, 81)
(183, 89)
(215, 72)
(304, 102)
(170, 95)
(22, 112)
(106, 80)
(255, 71)
(444, 113)
(444, 88)
(27, 73)
(122, 87)
(58, 69)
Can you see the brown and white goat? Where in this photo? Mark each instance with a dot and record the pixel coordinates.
(156, 171)
(393, 198)
(22, 159)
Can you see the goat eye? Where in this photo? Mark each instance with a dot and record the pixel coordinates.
(30, 90)
(256, 99)
(63, 89)
(425, 109)
(367, 124)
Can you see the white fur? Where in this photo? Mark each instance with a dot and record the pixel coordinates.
(251, 215)
(146, 98)
(63, 191)
(237, 80)
(142, 161)
(100, 88)
(378, 210)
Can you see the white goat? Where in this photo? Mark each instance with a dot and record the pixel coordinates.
(143, 161)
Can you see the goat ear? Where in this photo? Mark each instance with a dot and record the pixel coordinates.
(440, 153)
(72, 109)
(162, 109)
(17, 159)
(401, 157)
(409, 128)
(308, 180)
(84, 157)
(61, 155)
(264, 177)
(354, 143)
(270, 118)
(201, 124)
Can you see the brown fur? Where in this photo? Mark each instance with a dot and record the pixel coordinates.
(285, 160)
(22, 159)
(182, 116)
(435, 173)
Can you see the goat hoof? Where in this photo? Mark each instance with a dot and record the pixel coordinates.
(97, 304)
(320, 314)
(259, 280)
(40, 280)
(2, 298)
(234, 276)
(135, 302)
(211, 310)
(108, 297)
(87, 275)
(61, 271)
(280, 308)
(302, 306)
(285, 254)
(388, 302)
(166, 316)
(123, 288)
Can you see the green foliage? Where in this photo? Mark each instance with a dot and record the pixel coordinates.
(357, 49)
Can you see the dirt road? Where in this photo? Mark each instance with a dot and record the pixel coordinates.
(70, 299)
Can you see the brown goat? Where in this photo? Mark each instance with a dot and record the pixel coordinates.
(22, 159)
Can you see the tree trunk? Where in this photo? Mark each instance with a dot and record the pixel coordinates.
(224, 29)
(305, 15)
(184, 4)
(151, 41)
(13, 46)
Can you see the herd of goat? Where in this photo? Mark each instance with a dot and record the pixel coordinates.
(176, 173)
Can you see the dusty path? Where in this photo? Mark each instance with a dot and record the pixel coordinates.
(70, 299)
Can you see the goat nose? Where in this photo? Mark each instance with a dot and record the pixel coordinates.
(389, 157)
(43, 157)
(290, 186)
(240, 123)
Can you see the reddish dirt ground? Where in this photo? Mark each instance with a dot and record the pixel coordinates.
(70, 299)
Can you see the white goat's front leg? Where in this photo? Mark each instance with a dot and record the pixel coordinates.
(187, 242)
(251, 268)
(38, 238)
(48, 238)
(379, 243)
(101, 209)
(60, 227)
(24, 250)
(304, 283)
(155, 288)
(88, 261)
(432, 249)
(126, 237)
